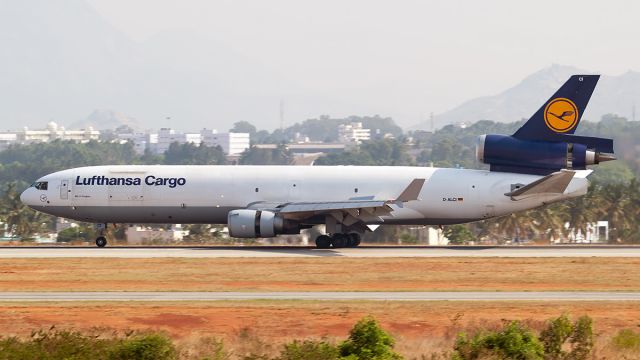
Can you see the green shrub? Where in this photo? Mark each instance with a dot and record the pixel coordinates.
(559, 331)
(459, 234)
(368, 341)
(553, 337)
(54, 344)
(514, 341)
(627, 339)
(309, 350)
(145, 347)
(581, 339)
(208, 348)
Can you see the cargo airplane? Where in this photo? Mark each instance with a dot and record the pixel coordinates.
(541, 163)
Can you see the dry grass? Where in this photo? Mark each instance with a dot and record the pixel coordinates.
(419, 327)
(321, 274)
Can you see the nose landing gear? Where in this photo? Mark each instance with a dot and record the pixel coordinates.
(101, 240)
(338, 240)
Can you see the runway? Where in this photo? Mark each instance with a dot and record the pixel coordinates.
(301, 251)
(323, 296)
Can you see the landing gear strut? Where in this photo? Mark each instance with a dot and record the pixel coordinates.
(338, 240)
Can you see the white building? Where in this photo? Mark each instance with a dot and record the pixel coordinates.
(138, 235)
(7, 139)
(167, 136)
(141, 141)
(353, 133)
(231, 143)
(52, 132)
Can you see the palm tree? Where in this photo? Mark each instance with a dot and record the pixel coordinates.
(549, 221)
(514, 226)
(612, 202)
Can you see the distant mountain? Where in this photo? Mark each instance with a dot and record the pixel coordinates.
(106, 120)
(614, 94)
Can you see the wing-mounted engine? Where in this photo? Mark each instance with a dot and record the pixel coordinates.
(510, 154)
(247, 223)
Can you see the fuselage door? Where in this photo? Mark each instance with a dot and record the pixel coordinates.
(64, 189)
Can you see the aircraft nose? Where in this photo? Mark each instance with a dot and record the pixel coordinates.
(25, 197)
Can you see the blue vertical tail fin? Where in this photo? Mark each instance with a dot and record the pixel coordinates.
(561, 114)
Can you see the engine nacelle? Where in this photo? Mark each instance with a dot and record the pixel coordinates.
(506, 153)
(258, 223)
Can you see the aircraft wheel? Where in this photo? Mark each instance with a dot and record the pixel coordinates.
(323, 242)
(354, 239)
(101, 241)
(340, 240)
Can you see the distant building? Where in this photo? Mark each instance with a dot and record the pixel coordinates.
(7, 139)
(167, 136)
(596, 232)
(231, 143)
(137, 235)
(140, 141)
(52, 132)
(353, 133)
(158, 143)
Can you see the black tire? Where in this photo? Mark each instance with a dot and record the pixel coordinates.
(340, 240)
(323, 242)
(101, 241)
(354, 239)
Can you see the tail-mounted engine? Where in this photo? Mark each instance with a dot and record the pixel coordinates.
(510, 154)
(259, 223)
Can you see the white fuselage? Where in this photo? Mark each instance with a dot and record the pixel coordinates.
(205, 194)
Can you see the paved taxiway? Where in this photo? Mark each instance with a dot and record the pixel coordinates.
(293, 251)
(328, 296)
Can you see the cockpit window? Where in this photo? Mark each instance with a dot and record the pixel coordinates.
(41, 185)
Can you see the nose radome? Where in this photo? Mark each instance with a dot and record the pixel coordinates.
(24, 197)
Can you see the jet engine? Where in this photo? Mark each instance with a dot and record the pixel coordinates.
(507, 153)
(259, 223)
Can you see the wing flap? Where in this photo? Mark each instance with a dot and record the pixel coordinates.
(331, 206)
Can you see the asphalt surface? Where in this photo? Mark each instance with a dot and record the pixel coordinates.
(325, 296)
(295, 251)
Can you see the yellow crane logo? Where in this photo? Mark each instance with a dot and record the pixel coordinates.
(561, 115)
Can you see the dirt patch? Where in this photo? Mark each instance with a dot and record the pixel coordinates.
(321, 274)
(170, 320)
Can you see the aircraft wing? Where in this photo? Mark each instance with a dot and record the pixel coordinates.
(555, 183)
(349, 212)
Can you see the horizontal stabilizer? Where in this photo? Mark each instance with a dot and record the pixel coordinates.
(555, 183)
(412, 191)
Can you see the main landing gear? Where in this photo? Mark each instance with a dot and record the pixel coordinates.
(338, 240)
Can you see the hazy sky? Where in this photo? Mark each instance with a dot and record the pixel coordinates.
(439, 53)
